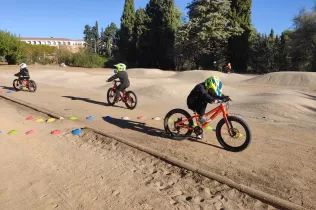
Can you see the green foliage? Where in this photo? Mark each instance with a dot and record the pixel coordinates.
(238, 47)
(88, 38)
(304, 41)
(208, 31)
(91, 37)
(81, 59)
(42, 54)
(11, 47)
(108, 40)
(157, 41)
(138, 32)
(127, 47)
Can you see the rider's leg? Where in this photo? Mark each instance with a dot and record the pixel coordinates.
(200, 110)
(118, 89)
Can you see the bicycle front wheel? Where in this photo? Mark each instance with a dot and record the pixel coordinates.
(236, 131)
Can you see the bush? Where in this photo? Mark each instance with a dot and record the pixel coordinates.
(88, 60)
(11, 47)
(81, 59)
(15, 51)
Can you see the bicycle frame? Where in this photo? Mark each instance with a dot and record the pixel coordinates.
(216, 111)
(122, 94)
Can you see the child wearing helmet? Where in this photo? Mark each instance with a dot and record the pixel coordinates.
(24, 73)
(203, 93)
(121, 74)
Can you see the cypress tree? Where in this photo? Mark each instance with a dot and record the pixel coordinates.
(238, 46)
(139, 30)
(88, 37)
(127, 49)
(158, 46)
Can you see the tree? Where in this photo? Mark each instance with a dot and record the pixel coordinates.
(108, 37)
(95, 37)
(139, 30)
(158, 39)
(88, 38)
(285, 51)
(238, 47)
(11, 47)
(208, 30)
(304, 41)
(127, 48)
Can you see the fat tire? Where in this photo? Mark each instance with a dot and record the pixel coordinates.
(223, 143)
(166, 124)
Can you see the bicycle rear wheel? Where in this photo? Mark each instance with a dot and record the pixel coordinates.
(32, 86)
(233, 129)
(173, 127)
(130, 100)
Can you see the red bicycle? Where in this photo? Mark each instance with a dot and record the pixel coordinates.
(19, 84)
(128, 97)
(233, 131)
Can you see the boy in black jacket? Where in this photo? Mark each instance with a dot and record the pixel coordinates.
(120, 72)
(204, 93)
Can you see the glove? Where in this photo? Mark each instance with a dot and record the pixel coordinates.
(225, 98)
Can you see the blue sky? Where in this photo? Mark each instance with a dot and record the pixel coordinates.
(66, 18)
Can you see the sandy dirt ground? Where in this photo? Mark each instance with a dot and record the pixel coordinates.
(43, 171)
(279, 108)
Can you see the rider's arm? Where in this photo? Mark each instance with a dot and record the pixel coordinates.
(206, 95)
(115, 76)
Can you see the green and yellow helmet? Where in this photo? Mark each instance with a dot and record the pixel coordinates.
(119, 67)
(215, 84)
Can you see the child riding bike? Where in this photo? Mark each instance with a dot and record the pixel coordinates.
(203, 93)
(120, 72)
(23, 74)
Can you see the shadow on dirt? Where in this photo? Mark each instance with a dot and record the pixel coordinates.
(143, 128)
(7, 88)
(310, 108)
(88, 100)
(308, 96)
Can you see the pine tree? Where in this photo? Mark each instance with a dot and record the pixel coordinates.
(139, 30)
(284, 51)
(238, 47)
(209, 29)
(88, 37)
(127, 49)
(158, 41)
(108, 39)
(95, 37)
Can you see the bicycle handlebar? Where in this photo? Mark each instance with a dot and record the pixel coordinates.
(224, 100)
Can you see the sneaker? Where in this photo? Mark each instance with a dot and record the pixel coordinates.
(202, 120)
(200, 136)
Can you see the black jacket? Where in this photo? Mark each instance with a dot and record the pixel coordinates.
(199, 94)
(123, 76)
(24, 73)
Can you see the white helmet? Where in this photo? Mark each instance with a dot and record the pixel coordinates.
(23, 65)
